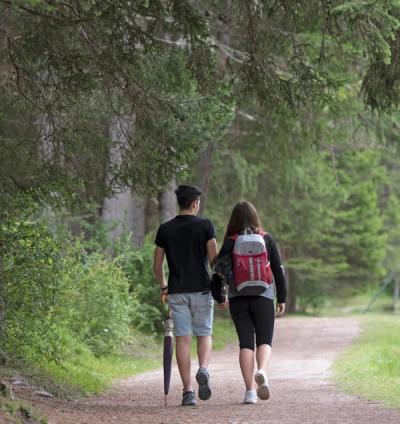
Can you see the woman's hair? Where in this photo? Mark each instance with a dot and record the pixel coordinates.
(244, 215)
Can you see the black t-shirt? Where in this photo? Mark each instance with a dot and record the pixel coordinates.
(184, 240)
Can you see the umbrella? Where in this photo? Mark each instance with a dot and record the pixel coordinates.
(168, 351)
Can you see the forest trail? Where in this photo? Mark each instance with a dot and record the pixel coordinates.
(303, 351)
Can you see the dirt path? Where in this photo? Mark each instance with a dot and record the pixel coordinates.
(303, 351)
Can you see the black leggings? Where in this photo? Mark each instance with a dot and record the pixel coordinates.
(253, 314)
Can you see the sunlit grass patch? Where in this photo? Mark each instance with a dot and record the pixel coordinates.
(224, 332)
(371, 366)
(357, 304)
(88, 374)
(80, 372)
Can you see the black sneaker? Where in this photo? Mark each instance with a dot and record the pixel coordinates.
(203, 378)
(188, 399)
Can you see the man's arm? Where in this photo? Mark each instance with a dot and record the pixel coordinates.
(158, 268)
(212, 251)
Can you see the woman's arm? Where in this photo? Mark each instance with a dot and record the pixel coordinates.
(227, 248)
(277, 270)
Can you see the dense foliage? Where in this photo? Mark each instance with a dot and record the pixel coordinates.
(70, 68)
(56, 290)
(324, 184)
(289, 104)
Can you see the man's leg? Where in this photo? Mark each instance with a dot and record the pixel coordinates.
(202, 316)
(204, 348)
(181, 315)
(202, 308)
(183, 361)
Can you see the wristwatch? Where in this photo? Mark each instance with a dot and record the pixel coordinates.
(163, 288)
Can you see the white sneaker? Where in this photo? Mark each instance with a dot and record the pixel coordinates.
(262, 383)
(250, 397)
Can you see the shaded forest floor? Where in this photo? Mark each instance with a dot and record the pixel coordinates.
(303, 351)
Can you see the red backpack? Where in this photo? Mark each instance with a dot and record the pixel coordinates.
(251, 267)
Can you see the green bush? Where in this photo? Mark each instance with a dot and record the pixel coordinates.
(97, 305)
(47, 291)
(30, 289)
(137, 263)
(138, 267)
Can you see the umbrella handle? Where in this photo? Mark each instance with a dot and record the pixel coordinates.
(168, 323)
(169, 309)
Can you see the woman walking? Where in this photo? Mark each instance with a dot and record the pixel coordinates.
(254, 314)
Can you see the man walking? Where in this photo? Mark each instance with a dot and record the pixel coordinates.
(189, 243)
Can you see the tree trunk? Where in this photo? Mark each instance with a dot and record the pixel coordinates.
(291, 292)
(203, 171)
(152, 214)
(126, 210)
(138, 219)
(206, 157)
(396, 293)
(49, 150)
(168, 202)
(2, 304)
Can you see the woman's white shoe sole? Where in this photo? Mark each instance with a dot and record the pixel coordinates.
(262, 389)
(263, 392)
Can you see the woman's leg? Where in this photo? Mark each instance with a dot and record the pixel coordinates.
(263, 314)
(246, 361)
(263, 355)
(239, 308)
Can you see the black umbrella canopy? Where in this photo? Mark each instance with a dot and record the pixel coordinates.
(168, 352)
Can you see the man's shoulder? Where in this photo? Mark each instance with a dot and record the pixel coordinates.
(196, 221)
(204, 220)
(205, 223)
(168, 223)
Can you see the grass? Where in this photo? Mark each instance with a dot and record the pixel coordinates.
(84, 373)
(224, 331)
(12, 411)
(371, 366)
(356, 304)
(87, 374)
(79, 372)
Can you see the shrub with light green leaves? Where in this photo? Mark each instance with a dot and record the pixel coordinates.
(138, 267)
(97, 304)
(30, 289)
(45, 292)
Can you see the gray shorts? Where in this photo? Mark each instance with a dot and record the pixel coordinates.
(192, 313)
